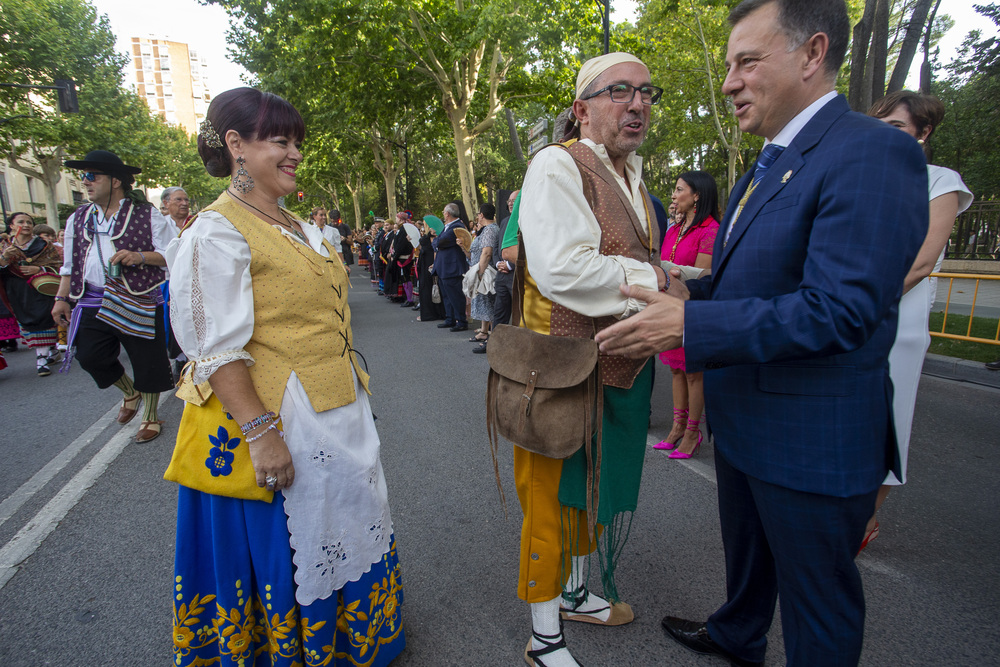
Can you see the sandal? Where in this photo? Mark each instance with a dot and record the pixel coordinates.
(477, 339)
(552, 643)
(869, 538)
(148, 431)
(127, 411)
(680, 418)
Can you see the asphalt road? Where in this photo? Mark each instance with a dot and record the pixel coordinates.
(87, 523)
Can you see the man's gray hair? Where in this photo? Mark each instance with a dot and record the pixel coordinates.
(170, 192)
(451, 208)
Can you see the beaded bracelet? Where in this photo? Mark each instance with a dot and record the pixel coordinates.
(666, 285)
(260, 435)
(257, 421)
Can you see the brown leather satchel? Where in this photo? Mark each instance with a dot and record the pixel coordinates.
(544, 393)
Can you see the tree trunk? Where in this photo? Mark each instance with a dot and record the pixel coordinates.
(925, 67)
(911, 40)
(466, 168)
(879, 54)
(385, 162)
(859, 57)
(734, 155)
(514, 139)
(355, 197)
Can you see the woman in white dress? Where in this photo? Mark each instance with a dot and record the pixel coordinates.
(918, 115)
(285, 552)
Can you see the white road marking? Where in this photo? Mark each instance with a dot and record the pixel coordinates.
(24, 493)
(31, 536)
(698, 467)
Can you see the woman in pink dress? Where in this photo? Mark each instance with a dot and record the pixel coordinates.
(689, 243)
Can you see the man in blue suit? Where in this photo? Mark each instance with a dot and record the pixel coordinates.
(450, 265)
(793, 329)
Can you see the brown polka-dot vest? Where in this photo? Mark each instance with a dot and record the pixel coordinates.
(302, 322)
(622, 233)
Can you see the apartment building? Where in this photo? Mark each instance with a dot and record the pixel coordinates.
(172, 78)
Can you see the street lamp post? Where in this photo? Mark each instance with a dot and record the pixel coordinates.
(605, 6)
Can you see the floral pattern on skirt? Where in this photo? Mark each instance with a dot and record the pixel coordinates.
(234, 594)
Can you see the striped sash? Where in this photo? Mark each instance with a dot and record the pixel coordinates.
(132, 314)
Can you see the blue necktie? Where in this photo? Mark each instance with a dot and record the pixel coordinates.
(765, 160)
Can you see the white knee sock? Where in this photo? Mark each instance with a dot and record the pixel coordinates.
(592, 605)
(545, 621)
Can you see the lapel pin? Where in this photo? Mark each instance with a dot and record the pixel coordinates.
(788, 174)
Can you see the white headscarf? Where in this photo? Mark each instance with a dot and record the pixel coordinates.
(594, 67)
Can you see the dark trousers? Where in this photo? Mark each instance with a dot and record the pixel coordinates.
(800, 546)
(502, 303)
(98, 345)
(454, 299)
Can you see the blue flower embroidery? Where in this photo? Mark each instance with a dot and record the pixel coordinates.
(220, 457)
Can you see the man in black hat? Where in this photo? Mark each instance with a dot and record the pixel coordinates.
(112, 269)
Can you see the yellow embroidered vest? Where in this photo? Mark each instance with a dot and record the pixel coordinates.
(622, 233)
(302, 322)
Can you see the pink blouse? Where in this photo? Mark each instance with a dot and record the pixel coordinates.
(701, 239)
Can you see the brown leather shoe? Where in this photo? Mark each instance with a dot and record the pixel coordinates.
(148, 431)
(128, 411)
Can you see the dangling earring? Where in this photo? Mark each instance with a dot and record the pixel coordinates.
(242, 180)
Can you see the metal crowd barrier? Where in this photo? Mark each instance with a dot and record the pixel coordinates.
(979, 278)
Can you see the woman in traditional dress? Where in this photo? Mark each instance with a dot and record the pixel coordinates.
(918, 115)
(26, 256)
(285, 552)
(689, 242)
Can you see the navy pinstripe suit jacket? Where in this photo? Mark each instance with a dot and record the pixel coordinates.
(795, 323)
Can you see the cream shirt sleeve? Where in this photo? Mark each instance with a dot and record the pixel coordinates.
(562, 241)
(211, 294)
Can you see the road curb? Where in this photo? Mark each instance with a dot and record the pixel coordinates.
(962, 370)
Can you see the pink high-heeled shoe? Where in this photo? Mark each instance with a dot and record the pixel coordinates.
(681, 455)
(680, 417)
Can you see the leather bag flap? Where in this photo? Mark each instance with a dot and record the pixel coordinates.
(560, 361)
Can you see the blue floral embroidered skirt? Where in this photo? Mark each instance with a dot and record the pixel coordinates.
(234, 594)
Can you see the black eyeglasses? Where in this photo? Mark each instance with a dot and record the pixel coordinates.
(623, 93)
(91, 175)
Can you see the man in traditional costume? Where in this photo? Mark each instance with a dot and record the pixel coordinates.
(587, 226)
(114, 284)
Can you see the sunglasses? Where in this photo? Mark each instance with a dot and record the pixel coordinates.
(91, 176)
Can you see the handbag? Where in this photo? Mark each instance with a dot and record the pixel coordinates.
(544, 393)
(211, 454)
(435, 292)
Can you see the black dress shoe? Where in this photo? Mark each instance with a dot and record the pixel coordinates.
(460, 327)
(446, 325)
(993, 365)
(694, 636)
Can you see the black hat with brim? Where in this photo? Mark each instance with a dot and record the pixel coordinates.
(107, 162)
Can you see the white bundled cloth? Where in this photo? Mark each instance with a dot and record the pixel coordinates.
(473, 283)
